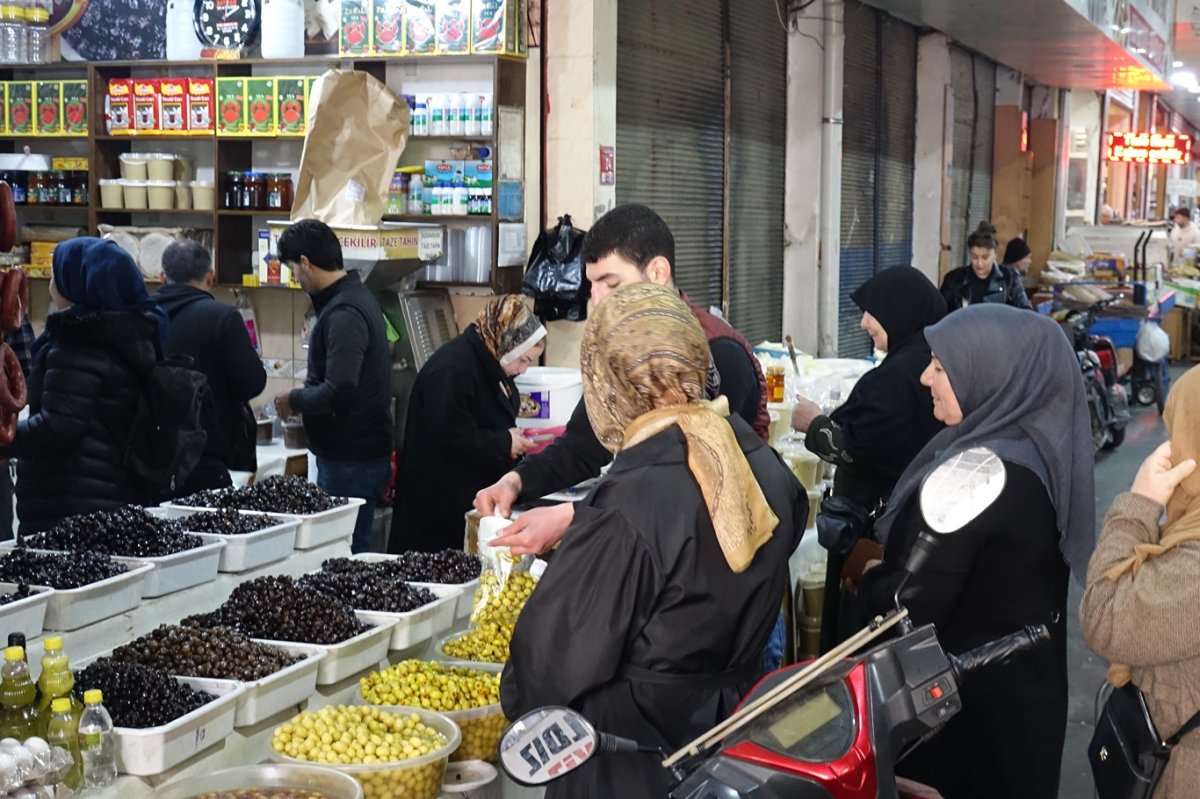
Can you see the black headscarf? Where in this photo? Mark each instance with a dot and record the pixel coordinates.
(904, 302)
(1026, 402)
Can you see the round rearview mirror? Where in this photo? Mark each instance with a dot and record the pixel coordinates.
(958, 491)
(546, 744)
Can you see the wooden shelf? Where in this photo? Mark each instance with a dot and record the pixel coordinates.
(452, 284)
(57, 137)
(27, 207)
(264, 212)
(166, 211)
(221, 138)
(437, 139)
(437, 219)
(207, 137)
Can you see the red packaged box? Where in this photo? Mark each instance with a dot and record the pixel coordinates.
(145, 105)
(200, 105)
(172, 104)
(119, 111)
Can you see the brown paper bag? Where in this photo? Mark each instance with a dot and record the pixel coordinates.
(357, 129)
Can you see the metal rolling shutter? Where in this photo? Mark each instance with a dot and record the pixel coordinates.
(974, 82)
(670, 129)
(897, 144)
(756, 190)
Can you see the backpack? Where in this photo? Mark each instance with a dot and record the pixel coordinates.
(168, 437)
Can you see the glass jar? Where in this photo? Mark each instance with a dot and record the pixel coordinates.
(776, 375)
(234, 190)
(35, 186)
(254, 191)
(78, 182)
(62, 188)
(17, 181)
(279, 191)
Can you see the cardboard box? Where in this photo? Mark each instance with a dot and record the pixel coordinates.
(200, 114)
(20, 108)
(119, 110)
(1186, 291)
(172, 105)
(291, 114)
(420, 26)
(1175, 325)
(261, 107)
(75, 107)
(69, 164)
(3, 108)
(453, 26)
(387, 27)
(231, 103)
(48, 99)
(41, 254)
(354, 36)
(145, 106)
(497, 27)
(477, 173)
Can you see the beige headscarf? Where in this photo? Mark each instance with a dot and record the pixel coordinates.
(645, 360)
(508, 328)
(1182, 419)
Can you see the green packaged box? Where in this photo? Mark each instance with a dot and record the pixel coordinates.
(260, 106)
(291, 115)
(231, 100)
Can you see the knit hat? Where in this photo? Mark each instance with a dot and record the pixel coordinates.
(1015, 251)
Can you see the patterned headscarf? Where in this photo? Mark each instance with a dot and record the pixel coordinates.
(508, 328)
(645, 363)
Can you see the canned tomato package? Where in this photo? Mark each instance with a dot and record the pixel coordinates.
(453, 25)
(387, 34)
(419, 27)
(231, 106)
(48, 94)
(355, 37)
(290, 115)
(20, 108)
(495, 26)
(75, 107)
(260, 106)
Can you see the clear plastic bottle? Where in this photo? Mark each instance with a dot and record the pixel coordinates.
(12, 32)
(63, 731)
(458, 200)
(416, 190)
(96, 742)
(19, 716)
(37, 30)
(55, 681)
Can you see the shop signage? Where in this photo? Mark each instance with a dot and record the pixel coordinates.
(1179, 187)
(1150, 148)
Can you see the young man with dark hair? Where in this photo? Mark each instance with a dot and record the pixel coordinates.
(346, 398)
(214, 336)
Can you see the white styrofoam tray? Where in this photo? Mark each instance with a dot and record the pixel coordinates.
(245, 551)
(26, 616)
(420, 625)
(72, 608)
(179, 570)
(351, 656)
(466, 596)
(144, 753)
(286, 688)
(316, 529)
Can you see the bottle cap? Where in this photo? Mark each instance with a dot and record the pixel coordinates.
(14, 653)
(60, 705)
(93, 696)
(53, 644)
(16, 639)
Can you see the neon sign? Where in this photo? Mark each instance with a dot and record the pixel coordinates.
(1150, 148)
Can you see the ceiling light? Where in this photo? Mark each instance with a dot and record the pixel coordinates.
(1140, 50)
(1176, 64)
(1126, 29)
(1194, 89)
(1183, 78)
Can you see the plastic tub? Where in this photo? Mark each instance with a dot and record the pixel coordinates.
(466, 595)
(111, 193)
(247, 551)
(145, 753)
(549, 395)
(160, 166)
(294, 436)
(160, 194)
(481, 727)
(812, 587)
(362, 652)
(276, 692)
(471, 779)
(183, 195)
(420, 625)
(440, 652)
(133, 166)
(814, 506)
(136, 195)
(72, 608)
(204, 195)
(395, 779)
(316, 529)
(179, 570)
(26, 616)
(268, 775)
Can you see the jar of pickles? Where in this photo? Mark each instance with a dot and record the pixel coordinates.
(279, 191)
(235, 184)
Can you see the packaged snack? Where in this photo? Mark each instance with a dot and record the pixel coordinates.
(260, 106)
(200, 105)
(75, 107)
(20, 108)
(231, 100)
(48, 96)
(172, 105)
(495, 26)
(291, 94)
(145, 105)
(453, 23)
(419, 27)
(387, 33)
(355, 38)
(119, 108)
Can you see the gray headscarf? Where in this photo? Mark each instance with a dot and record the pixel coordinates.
(1019, 386)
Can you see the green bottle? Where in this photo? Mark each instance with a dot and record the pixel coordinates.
(63, 731)
(18, 713)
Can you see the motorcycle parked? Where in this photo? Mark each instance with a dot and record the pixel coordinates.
(1108, 401)
(829, 729)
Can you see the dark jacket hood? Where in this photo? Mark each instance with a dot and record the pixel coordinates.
(174, 297)
(130, 334)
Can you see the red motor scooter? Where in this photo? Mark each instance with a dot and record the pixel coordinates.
(829, 729)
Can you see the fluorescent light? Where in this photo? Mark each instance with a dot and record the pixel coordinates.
(1126, 29)
(1176, 64)
(1140, 50)
(1183, 78)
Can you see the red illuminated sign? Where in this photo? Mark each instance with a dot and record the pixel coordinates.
(1150, 148)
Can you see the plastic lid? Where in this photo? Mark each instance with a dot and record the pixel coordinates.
(110, 181)
(159, 156)
(137, 184)
(135, 157)
(202, 184)
(93, 696)
(61, 705)
(161, 184)
(54, 643)
(14, 653)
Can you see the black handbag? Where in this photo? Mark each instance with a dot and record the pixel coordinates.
(1126, 752)
(841, 523)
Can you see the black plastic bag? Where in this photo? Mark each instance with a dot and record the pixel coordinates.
(555, 277)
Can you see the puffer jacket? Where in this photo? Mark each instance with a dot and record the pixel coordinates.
(83, 393)
(1148, 622)
(1004, 287)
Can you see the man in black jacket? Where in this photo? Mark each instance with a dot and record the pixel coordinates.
(214, 336)
(346, 398)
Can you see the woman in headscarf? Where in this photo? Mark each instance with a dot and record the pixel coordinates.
(652, 616)
(883, 424)
(461, 433)
(1138, 611)
(1010, 565)
(87, 376)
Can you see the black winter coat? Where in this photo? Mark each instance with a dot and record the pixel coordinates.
(1003, 286)
(83, 393)
(456, 441)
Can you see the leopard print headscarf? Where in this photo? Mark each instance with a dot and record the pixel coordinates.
(508, 328)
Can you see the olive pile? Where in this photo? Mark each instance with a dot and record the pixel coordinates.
(483, 643)
(218, 653)
(355, 734)
(60, 570)
(227, 521)
(262, 793)
(446, 689)
(23, 592)
(281, 609)
(138, 696)
(501, 599)
(367, 591)
(450, 566)
(129, 532)
(278, 494)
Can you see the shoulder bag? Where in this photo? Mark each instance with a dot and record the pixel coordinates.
(1127, 755)
(841, 523)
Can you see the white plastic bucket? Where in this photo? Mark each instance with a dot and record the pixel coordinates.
(470, 779)
(549, 395)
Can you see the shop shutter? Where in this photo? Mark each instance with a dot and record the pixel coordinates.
(757, 152)
(974, 83)
(670, 129)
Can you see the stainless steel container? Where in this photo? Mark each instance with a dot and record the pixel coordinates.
(268, 775)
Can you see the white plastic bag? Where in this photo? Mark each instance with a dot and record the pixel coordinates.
(1153, 344)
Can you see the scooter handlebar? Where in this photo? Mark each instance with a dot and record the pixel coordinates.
(999, 650)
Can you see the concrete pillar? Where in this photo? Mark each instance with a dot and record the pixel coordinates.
(932, 156)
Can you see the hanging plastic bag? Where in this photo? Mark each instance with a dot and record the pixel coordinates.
(555, 276)
(1153, 344)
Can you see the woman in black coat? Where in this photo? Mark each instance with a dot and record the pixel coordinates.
(883, 424)
(461, 432)
(87, 376)
(1008, 567)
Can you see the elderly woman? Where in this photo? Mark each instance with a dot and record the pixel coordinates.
(652, 616)
(883, 424)
(461, 432)
(1009, 566)
(1142, 591)
(84, 385)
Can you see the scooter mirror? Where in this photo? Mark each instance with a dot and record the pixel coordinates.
(546, 744)
(963, 487)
